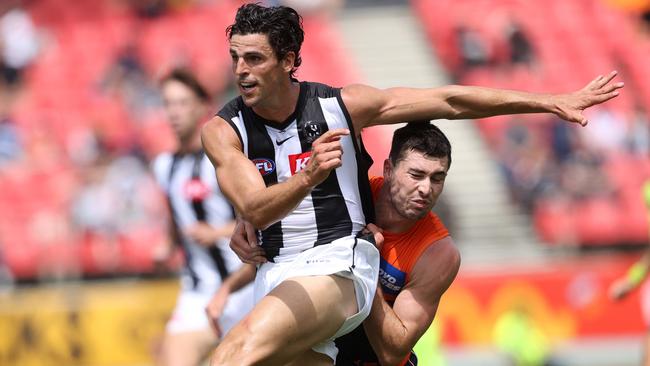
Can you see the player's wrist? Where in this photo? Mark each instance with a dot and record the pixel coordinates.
(637, 273)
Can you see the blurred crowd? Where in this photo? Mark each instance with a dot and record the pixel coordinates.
(81, 118)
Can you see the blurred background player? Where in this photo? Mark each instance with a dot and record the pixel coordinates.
(201, 223)
(634, 277)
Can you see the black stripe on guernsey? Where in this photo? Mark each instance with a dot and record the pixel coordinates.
(263, 148)
(199, 211)
(188, 255)
(332, 216)
(364, 161)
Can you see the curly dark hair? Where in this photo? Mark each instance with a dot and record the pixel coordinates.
(422, 137)
(281, 24)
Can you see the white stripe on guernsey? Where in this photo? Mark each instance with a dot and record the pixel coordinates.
(239, 122)
(347, 173)
(299, 227)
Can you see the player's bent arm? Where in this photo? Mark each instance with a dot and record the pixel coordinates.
(241, 182)
(369, 106)
(240, 278)
(393, 332)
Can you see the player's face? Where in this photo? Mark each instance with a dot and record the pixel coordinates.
(183, 107)
(258, 72)
(415, 183)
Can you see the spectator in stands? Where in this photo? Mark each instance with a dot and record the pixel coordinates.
(115, 201)
(520, 47)
(473, 49)
(526, 165)
(19, 44)
(638, 137)
(127, 80)
(10, 147)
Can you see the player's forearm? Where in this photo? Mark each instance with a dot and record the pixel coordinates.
(271, 204)
(242, 277)
(386, 333)
(468, 102)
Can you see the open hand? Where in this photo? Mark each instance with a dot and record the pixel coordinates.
(570, 106)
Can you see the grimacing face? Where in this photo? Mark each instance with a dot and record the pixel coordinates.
(256, 68)
(184, 109)
(415, 183)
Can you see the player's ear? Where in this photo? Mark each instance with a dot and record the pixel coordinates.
(288, 61)
(388, 168)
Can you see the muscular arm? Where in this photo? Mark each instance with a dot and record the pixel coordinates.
(242, 184)
(369, 106)
(393, 332)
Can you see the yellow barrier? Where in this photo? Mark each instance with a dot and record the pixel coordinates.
(91, 324)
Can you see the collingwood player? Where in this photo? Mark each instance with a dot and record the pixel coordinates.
(202, 222)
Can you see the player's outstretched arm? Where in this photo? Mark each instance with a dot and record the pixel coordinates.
(393, 332)
(369, 106)
(243, 185)
(635, 275)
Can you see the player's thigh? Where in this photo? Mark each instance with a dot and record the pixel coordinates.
(187, 348)
(298, 314)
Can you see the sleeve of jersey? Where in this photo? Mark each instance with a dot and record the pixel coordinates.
(375, 186)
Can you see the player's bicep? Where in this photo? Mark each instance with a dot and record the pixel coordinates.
(370, 106)
(238, 177)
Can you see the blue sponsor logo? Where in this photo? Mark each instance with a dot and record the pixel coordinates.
(265, 166)
(392, 279)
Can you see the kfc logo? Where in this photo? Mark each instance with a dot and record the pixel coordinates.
(298, 162)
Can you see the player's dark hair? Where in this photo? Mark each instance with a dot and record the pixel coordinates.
(281, 24)
(188, 79)
(420, 136)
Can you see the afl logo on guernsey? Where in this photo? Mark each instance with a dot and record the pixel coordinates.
(265, 166)
(196, 191)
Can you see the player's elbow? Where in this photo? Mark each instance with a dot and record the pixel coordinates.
(393, 357)
(255, 217)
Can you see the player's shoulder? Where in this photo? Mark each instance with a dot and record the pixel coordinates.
(443, 259)
(319, 90)
(232, 108)
(161, 164)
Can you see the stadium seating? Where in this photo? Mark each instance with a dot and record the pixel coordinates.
(568, 54)
(63, 100)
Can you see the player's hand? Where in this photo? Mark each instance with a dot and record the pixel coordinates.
(570, 106)
(376, 231)
(202, 233)
(215, 307)
(620, 289)
(244, 243)
(326, 155)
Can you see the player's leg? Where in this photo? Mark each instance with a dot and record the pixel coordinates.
(298, 314)
(187, 348)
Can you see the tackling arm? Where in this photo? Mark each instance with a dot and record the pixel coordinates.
(393, 332)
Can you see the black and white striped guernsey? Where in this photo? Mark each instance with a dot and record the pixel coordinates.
(338, 207)
(193, 195)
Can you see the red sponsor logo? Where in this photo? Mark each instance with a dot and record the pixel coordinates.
(196, 191)
(298, 162)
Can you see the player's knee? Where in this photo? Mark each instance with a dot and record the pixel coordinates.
(241, 347)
